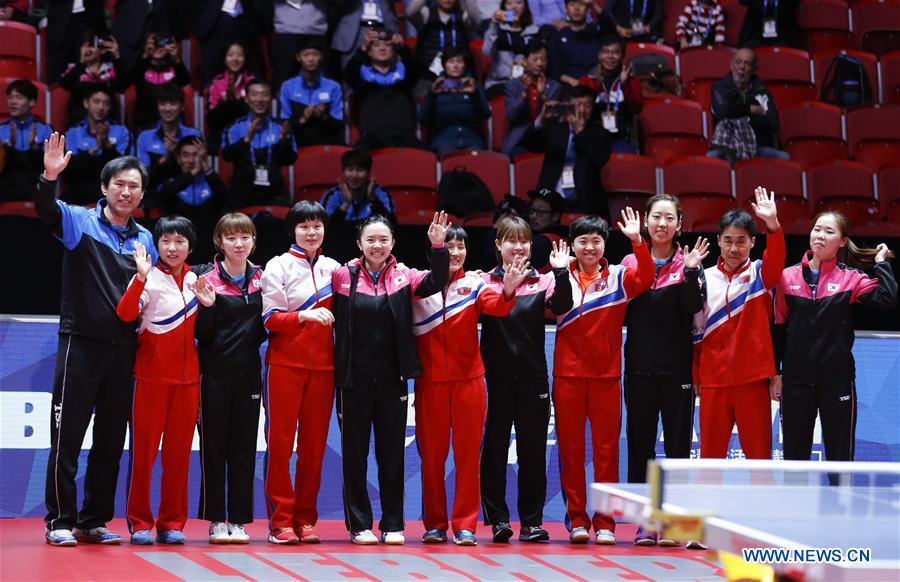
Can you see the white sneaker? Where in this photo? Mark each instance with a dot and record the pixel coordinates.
(579, 535)
(237, 534)
(393, 538)
(606, 537)
(218, 533)
(695, 545)
(363, 538)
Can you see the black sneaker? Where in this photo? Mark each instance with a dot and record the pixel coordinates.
(502, 532)
(533, 533)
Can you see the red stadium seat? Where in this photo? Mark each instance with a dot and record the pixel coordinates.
(822, 62)
(824, 25)
(628, 180)
(811, 133)
(18, 50)
(783, 178)
(845, 186)
(41, 108)
(59, 107)
(703, 185)
(634, 49)
(317, 169)
(734, 18)
(279, 212)
(889, 195)
(411, 177)
(480, 61)
(527, 172)
(499, 122)
(876, 24)
(491, 167)
(673, 127)
(874, 136)
(787, 75)
(21, 208)
(701, 67)
(890, 78)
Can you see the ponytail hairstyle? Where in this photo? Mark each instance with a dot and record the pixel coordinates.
(850, 254)
(662, 198)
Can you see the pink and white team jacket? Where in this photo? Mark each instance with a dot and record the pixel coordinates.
(167, 308)
(446, 327)
(295, 282)
(589, 335)
(732, 335)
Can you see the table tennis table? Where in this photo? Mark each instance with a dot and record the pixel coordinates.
(732, 505)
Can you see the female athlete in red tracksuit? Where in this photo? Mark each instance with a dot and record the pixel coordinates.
(167, 379)
(299, 377)
(450, 393)
(813, 336)
(587, 364)
(733, 359)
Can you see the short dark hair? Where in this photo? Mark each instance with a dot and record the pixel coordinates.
(738, 219)
(93, 88)
(588, 225)
(303, 211)
(456, 232)
(374, 219)
(25, 87)
(356, 158)
(169, 93)
(609, 39)
(580, 91)
(121, 164)
(175, 225)
(454, 51)
(534, 45)
(258, 81)
(186, 141)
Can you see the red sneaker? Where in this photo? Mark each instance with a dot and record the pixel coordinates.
(283, 535)
(308, 535)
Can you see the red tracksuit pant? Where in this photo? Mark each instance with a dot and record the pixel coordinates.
(167, 411)
(445, 411)
(749, 406)
(298, 402)
(577, 400)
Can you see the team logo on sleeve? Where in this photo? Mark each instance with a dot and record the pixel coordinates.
(463, 290)
(600, 285)
(832, 287)
(674, 276)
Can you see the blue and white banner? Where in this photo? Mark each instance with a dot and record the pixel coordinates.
(28, 356)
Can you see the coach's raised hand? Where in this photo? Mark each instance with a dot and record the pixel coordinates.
(764, 207)
(56, 158)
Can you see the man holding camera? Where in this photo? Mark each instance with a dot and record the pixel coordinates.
(99, 64)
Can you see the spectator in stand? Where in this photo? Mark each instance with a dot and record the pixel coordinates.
(702, 22)
(575, 148)
(66, 22)
(572, 50)
(134, 18)
(382, 75)
(160, 65)
(640, 19)
(355, 18)
(769, 23)
(258, 145)
(442, 25)
(544, 214)
(313, 103)
(94, 141)
(99, 64)
(294, 22)
(217, 24)
(225, 95)
(619, 94)
(505, 42)
(195, 192)
(455, 108)
(745, 114)
(548, 12)
(16, 11)
(357, 196)
(155, 146)
(21, 139)
(526, 94)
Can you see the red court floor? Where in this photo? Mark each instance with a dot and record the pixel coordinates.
(25, 556)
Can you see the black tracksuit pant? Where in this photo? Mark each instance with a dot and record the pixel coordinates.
(835, 403)
(228, 425)
(646, 399)
(525, 404)
(91, 377)
(382, 405)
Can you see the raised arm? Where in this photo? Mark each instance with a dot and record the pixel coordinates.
(56, 158)
(775, 253)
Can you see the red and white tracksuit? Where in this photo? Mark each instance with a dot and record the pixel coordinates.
(298, 391)
(733, 358)
(166, 396)
(587, 369)
(450, 395)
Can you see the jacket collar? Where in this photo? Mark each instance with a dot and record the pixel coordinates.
(300, 253)
(825, 267)
(131, 229)
(720, 264)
